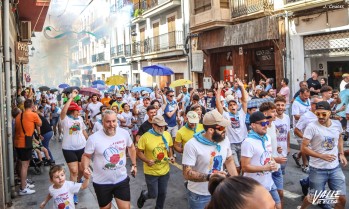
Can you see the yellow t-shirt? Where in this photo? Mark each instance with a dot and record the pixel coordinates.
(184, 134)
(155, 149)
(118, 105)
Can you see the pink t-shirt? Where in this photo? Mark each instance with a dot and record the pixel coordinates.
(285, 91)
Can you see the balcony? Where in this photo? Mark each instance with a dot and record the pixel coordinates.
(209, 15)
(298, 5)
(98, 57)
(113, 51)
(159, 44)
(150, 8)
(120, 49)
(243, 10)
(82, 61)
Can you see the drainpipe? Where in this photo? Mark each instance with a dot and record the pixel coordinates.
(185, 31)
(288, 71)
(6, 40)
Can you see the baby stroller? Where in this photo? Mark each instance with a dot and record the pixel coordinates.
(36, 164)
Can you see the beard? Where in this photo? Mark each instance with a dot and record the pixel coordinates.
(217, 137)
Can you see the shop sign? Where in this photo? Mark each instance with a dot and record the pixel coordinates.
(22, 53)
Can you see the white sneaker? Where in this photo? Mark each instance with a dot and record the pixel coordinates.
(30, 186)
(26, 191)
(61, 137)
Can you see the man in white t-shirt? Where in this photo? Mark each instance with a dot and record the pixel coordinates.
(344, 82)
(269, 110)
(322, 141)
(256, 155)
(93, 109)
(108, 147)
(237, 130)
(303, 122)
(300, 105)
(204, 156)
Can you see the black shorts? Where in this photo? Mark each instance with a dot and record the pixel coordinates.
(106, 192)
(24, 154)
(344, 123)
(73, 155)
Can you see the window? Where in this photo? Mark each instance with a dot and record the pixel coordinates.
(224, 3)
(201, 6)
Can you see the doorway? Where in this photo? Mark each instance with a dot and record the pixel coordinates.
(335, 70)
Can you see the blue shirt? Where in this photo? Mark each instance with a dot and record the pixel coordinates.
(172, 120)
(344, 95)
(267, 87)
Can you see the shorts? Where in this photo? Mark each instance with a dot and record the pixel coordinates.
(54, 121)
(24, 154)
(275, 195)
(236, 151)
(344, 123)
(106, 192)
(73, 155)
(173, 131)
(333, 177)
(278, 179)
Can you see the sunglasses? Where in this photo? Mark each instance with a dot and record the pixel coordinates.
(171, 95)
(323, 114)
(160, 126)
(220, 128)
(263, 124)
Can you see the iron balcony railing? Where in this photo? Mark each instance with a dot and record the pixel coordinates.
(169, 41)
(245, 7)
(127, 50)
(120, 49)
(98, 57)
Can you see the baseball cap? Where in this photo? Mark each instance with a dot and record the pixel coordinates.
(231, 98)
(323, 105)
(259, 87)
(257, 116)
(159, 120)
(118, 95)
(215, 118)
(74, 106)
(193, 117)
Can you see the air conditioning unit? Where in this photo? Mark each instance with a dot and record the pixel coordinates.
(25, 30)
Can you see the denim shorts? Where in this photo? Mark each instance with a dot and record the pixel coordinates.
(278, 179)
(197, 201)
(333, 177)
(275, 195)
(236, 151)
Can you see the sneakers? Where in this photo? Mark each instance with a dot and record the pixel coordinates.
(305, 169)
(60, 138)
(29, 181)
(76, 199)
(142, 198)
(26, 191)
(30, 186)
(296, 159)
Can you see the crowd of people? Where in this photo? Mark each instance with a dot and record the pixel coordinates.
(234, 140)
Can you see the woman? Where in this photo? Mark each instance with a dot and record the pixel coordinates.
(128, 117)
(74, 138)
(54, 118)
(198, 109)
(238, 192)
(323, 82)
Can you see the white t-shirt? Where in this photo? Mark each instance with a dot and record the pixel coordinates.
(299, 109)
(97, 126)
(73, 138)
(342, 85)
(237, 131)
(282, 129)
(305, 120)
(204, 159)
(128, 117)
(271, 131)
(93, 109)
(253, 149)
(63, 197)
(109, 156)
(323, 140)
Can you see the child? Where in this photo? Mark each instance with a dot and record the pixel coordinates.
(62, 191)
(37, 147)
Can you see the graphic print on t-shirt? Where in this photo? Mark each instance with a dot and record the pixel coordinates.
(62, 201)
(281, 132)
(328, 143)
(216, 162)
(159, 153)
(75, 128)
(235, 122)
(263, 160)
(113, 155)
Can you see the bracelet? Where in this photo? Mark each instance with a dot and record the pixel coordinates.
(208, 177)
(133, 165)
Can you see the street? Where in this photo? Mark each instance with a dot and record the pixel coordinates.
(176, 195)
